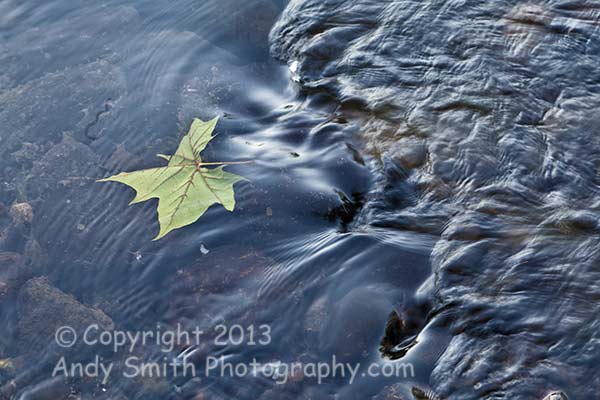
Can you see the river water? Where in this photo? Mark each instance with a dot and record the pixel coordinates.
(436, 159)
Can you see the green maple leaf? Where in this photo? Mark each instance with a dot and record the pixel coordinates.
(184, 187)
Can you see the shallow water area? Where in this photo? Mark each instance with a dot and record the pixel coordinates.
(421, 200)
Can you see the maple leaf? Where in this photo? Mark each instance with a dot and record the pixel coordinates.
(185, 188)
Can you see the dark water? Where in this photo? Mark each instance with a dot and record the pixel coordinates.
(438, 159)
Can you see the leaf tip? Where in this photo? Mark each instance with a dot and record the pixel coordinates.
(161, 234)
(136, 199)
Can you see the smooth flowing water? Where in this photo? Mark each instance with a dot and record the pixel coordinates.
(436, 159)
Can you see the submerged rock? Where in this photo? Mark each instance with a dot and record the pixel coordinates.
(52, 104)
(67, 164)
(15, 236)
(21, 213)
(63, 181)
(14, 272)
(35, 254)
(41, 309)
(38, 300)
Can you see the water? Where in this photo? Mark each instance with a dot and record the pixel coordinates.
(436, 159)
(482, 116)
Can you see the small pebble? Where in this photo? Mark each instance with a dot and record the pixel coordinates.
(21, 213)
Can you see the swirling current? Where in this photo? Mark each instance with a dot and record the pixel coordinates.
(483, 115)
(423, 191)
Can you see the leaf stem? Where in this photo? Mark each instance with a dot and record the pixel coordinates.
(224, 163)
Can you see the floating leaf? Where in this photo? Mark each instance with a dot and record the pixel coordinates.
(185, 188)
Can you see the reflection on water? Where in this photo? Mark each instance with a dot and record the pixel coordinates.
(427, 170)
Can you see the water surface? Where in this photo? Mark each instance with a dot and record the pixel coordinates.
(437, 159)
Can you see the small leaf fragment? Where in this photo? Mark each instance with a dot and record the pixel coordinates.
(6, 363)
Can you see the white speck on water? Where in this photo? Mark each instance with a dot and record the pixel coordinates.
(294, 67)
(203, 249)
